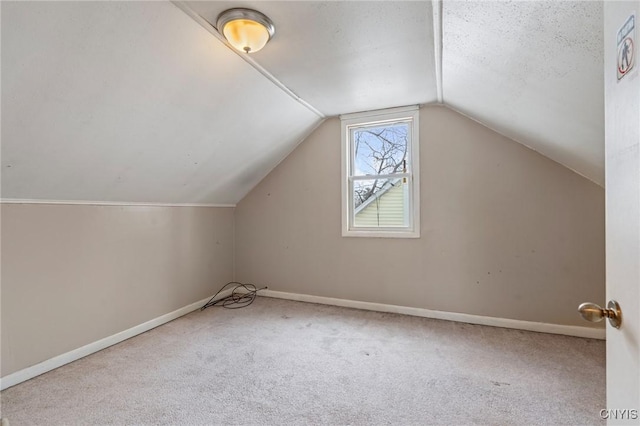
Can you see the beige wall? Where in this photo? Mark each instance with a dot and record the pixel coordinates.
(506, 232)
(73, 274)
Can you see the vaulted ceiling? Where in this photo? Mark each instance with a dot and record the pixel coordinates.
(144, 102)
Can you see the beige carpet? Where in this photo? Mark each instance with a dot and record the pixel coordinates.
(284, 362)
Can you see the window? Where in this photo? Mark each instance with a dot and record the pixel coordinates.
(380, 176)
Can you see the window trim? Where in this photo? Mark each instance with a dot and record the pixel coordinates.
(349, 121)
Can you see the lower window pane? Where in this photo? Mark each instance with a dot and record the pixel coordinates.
(380, 203)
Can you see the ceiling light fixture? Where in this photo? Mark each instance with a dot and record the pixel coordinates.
(246, 30)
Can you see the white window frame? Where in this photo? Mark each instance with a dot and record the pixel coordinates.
(390, 115)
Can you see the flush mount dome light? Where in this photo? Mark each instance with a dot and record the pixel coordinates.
(245, 29)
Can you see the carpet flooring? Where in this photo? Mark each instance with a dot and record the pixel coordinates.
(284, 362)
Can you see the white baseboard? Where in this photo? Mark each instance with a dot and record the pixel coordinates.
(60, 360)
(541, 327)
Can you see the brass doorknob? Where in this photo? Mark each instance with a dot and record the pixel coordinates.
(594, 313)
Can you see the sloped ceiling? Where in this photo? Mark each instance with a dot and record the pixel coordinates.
(348, 56)
(107, 101)
(532, 70)
(142, 102)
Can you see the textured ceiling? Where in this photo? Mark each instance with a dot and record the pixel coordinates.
(142, 102)
(532, 70)
(348, 56)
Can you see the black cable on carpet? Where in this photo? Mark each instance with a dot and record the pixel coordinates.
(241, 296)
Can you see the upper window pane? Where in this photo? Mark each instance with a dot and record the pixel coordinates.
(380, 149)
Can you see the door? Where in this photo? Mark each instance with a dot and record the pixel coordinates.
(622, 165)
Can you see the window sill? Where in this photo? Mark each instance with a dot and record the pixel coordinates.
(381, 234)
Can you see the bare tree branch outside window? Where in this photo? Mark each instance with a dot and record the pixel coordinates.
(379, 150)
